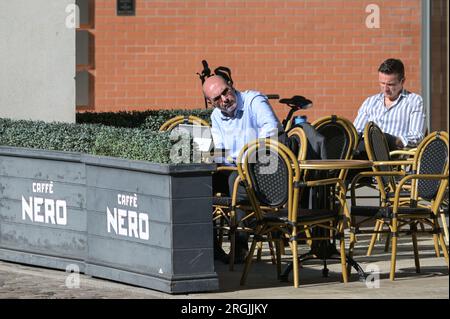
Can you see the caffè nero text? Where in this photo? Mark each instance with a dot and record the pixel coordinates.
(125, 221)
(41, 209)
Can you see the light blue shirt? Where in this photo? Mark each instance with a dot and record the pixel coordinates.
(253, 118)
(404, 119)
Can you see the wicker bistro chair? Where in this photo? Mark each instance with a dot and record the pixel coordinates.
(172, 123)
(224, 207)
(444, 212)
(272, 178)
(378, 152)
(224, 215)
(340, 139)
(428, 182)
(407, 154)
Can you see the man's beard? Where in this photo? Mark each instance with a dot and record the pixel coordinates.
(229, 109)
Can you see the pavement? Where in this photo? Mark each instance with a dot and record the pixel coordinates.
(29, 282)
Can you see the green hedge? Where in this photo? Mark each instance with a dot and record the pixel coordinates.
(151, 119)
(139, 144)
(132, 135)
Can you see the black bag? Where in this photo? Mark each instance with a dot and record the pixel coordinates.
(316, 142)
(291, 142)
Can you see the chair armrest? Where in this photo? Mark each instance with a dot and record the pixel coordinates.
(409, 152)
(407, 178)
(370, 174)
(321, 182)
(373, 174)
(226, 168)
(392, 163)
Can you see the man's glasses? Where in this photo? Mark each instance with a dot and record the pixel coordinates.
(215, 102)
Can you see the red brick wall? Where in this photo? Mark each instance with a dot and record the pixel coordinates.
(321, 49)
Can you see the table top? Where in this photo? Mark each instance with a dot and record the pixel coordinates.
(334, 164)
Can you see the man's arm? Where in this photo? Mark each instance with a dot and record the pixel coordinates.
(267, 122)
(416, 123)
(362, 118)
(216, 133)
(222, 153)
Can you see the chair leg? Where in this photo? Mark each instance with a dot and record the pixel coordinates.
(232, 250)
(248, 262)
(259, 250)
(422, 227)
(394, 233)
(444, 226)
(272, 252)
(416, 251)
(379, 235)
(378, 227)
(343, 256)
(220, 232)
(388, 240)
(351, 246)
(278, 244)
(308, 235)
(440, 237)
(444, 248)
(436, 245)
(233, 227)
(436, 238)
(294, 248)
(282, 247)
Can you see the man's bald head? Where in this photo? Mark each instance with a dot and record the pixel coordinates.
(219, 93)
(212, 82)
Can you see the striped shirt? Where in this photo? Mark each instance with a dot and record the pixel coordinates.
(404, 119)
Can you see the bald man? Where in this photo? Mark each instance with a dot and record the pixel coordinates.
(238, 118)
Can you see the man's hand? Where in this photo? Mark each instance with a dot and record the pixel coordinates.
(399, 143)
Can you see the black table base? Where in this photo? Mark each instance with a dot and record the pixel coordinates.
(323, 250)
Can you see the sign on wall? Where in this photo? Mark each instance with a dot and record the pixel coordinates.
(126, 7)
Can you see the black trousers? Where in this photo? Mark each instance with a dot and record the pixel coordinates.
(223, 182)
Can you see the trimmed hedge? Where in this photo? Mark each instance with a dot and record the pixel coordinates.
(139, 144)
(151, 119)
(49, 136)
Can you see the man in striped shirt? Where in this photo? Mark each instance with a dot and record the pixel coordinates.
(396, 111)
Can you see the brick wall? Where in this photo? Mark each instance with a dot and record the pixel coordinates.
(321, 49)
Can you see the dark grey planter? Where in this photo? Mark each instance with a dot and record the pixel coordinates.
(131, 221)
